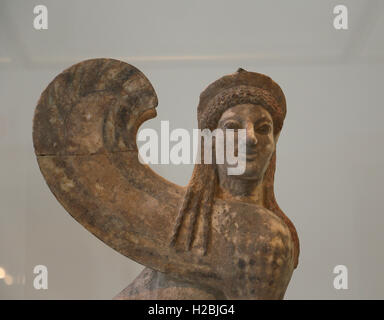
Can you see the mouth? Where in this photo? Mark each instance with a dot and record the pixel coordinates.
(251, 155)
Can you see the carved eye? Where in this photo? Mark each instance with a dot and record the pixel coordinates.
(264, 129)
(232, 125)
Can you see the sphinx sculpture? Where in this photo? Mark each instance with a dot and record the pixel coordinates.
(220, 237)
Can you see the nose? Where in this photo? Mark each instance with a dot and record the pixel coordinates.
(251, 137)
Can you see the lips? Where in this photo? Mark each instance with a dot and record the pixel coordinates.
(252, 155)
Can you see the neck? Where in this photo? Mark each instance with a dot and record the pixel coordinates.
(231, 188)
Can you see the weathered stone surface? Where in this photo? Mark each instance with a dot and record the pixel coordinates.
(215, 238)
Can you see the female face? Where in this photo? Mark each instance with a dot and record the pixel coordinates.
(260, 141)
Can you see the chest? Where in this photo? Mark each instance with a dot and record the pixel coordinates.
(253, 251)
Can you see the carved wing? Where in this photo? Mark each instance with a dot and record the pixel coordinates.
(84, 134)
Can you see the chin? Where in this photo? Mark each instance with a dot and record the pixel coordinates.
(251, 174)
(253, 171)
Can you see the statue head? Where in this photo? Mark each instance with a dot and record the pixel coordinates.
(259, 143)
(243, 100)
